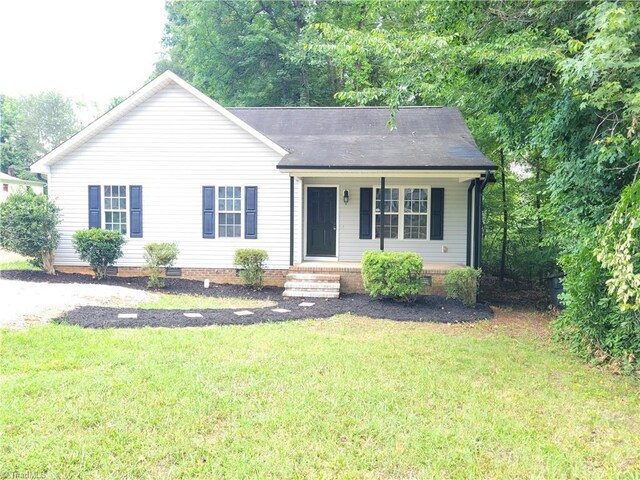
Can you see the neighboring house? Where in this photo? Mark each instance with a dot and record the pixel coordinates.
(11, 184)
(305, 184)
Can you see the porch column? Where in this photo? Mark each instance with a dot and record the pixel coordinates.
(382, 216)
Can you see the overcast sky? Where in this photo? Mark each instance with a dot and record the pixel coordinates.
(85, 49)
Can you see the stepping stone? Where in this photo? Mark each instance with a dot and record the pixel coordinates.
(192, 315)
(307, 304)
(280, 310)
(243, 313)
(127, 315)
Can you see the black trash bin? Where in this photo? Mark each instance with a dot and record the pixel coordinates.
(554, 284)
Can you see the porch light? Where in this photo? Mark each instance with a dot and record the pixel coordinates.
(345, 196)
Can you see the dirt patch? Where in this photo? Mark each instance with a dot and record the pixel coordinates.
(510, 294)
(426, 309)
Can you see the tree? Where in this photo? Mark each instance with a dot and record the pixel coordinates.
(28, 226)
(31, 126)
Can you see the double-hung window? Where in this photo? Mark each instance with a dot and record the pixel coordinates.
(409, 223)
(229, 211)
(115, 208)
(415, 213)
(391, 210)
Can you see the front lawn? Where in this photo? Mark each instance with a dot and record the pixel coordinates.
(347, 397)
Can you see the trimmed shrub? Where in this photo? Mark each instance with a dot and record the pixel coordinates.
(462, 284)
(251, 262)
(392, 274)
(100, 248)
(158, 257)
(28, 226)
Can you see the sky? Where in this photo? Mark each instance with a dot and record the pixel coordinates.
(89, 50)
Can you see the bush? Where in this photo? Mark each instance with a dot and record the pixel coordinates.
(592, 322)
(392, 274)
(100, 248)
(251, 263)
(159, 256)
(28, 226)
(462, 284)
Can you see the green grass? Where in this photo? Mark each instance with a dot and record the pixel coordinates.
(341, 398)
(177, 302)
(17, 265)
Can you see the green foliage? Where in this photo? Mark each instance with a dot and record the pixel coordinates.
(31, 126)
(28, 224)
(392, 274)
(462, 284)
(592, 322)
(99, 247)
(159, 256)
(251, 262)
(619, 249)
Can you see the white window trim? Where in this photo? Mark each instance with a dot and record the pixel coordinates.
(127, 209)
(401, 213)
(218, 212)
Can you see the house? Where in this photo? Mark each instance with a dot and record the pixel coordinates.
(305, 184)
(12, 184)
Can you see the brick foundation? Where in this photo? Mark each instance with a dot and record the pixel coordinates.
(217, 275)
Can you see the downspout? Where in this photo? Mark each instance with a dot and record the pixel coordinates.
(469, 217)
(291, 218)
(382, 219)
(478, 255)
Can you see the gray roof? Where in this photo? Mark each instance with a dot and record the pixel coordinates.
(425, 138)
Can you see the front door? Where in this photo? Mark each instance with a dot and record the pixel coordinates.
(321, 221)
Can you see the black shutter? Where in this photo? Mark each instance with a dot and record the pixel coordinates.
(208, 212)
(95, 215)
(366, 212)
(251, 212)
(437, 213)
(135, 211)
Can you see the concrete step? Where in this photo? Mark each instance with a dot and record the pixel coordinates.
(304, 285)
(310, 293)
(314, 277)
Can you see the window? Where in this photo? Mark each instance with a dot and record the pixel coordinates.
(229, 211)
(391, 208)
(415, 213)
(115, 208)
(5, 187)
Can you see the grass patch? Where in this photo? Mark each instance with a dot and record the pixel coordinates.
(17, 265)
(169, 301)
(342, 398)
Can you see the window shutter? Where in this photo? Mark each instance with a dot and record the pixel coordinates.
(251, 212)
(95, 214)
(366, 212)
(135, 211)
(437, 213)
(208, 212)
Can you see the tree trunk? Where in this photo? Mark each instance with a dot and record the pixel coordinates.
(538, 215)
(47, 262)
(503, 255)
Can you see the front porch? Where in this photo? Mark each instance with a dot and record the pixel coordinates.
(349, 274)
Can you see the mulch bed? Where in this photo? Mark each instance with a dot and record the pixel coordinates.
(428, 308)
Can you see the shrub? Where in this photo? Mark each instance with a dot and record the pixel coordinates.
(159, 256)
(392, 274)
(462, 284)
(251, 263)
(28, 226)
(592, 322)
(100, 248)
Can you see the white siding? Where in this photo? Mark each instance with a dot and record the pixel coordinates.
(351, 248)
(172, 144)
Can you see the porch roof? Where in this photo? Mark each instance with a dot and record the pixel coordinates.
(341, 138)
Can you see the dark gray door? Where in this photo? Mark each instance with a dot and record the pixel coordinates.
(321, 221)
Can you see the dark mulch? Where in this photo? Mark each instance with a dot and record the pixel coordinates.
(428, 308)
(509, 293)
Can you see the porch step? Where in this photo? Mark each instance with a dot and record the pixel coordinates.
(312, 285)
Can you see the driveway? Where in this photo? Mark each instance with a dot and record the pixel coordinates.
(24, 303)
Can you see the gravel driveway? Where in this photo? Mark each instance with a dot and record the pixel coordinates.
(29, 302)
